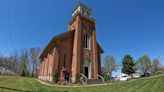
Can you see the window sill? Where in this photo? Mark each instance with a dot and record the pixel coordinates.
(87, 49)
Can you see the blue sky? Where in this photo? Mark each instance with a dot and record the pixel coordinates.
(134, 27)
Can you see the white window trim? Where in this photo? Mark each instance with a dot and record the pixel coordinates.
(88, 43)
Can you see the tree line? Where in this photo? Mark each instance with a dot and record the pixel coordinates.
(129, 65)
(24, 62)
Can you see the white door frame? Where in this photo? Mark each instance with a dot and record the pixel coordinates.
(87, 63)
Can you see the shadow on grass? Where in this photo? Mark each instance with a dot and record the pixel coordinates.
(15, 89)
(24, 90)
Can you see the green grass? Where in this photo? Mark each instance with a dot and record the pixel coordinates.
(20, 84)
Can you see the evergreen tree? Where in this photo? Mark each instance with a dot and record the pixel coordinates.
(128, 65)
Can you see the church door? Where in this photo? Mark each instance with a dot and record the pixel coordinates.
(66, 76)
(86, 71)
(86, 68)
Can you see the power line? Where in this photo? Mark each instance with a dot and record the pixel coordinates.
(9, 24)
(23, 12)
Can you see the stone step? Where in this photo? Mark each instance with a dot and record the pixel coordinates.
(94, 81)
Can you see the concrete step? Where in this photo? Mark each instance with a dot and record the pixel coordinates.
(94, 81)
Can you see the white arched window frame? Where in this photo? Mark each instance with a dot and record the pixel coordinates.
(86, 40)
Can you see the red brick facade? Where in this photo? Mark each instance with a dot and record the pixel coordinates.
(66, 54)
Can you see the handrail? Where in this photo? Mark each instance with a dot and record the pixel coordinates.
(100, 77)
(84, 77)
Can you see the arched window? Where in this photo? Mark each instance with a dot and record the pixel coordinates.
(86, 41)
(73, 28)
(64, 60)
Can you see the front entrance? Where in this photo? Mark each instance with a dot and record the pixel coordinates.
(66, 77)
(86, 69)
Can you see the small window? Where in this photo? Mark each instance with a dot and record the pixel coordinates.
(86, 26)
(73, 28)
(85, 12)
(82, 10)
(88, 13)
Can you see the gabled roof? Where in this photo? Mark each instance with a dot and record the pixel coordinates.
(53, 41)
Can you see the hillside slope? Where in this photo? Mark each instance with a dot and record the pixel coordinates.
(20, 84)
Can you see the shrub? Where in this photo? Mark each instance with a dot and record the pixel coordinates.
(55, 77)
(77, 78)
(106, 78)
(158, 73)
(23, 73)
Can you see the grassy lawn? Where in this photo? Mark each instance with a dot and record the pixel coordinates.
(20, 84)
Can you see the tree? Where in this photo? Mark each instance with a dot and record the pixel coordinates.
(161, 69)
(34, 58)
(104, 71)
(155, 65)
(14, 59)
(128, 65)
(109, 65)
(1, 60)
(24, 62)
(143, 64)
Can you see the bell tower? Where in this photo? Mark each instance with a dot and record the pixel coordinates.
(84, 55)
(81, 8)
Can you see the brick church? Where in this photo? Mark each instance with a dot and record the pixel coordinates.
(75, 52)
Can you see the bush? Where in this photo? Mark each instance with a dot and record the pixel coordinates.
(23, 73)
(55, 77)
(106, 78)
(158, 73)
(77, 78)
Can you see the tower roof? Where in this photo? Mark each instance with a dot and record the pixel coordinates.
(82, 5)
